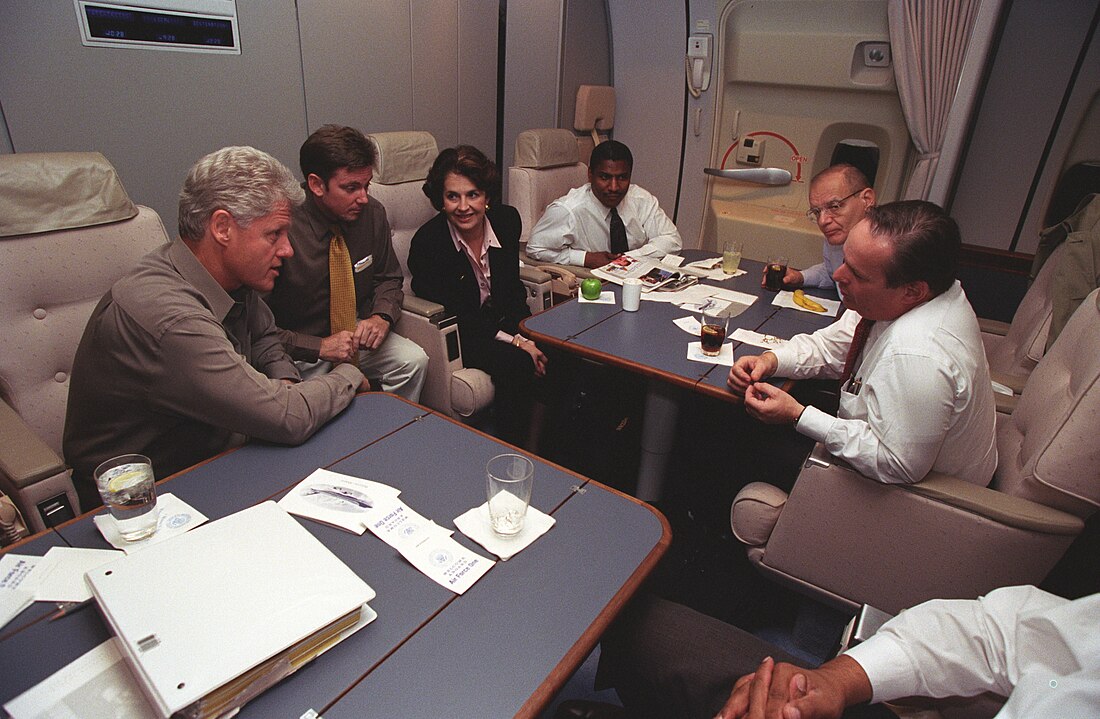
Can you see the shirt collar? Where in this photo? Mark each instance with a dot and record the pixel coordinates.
(491, 240)
(320, 224)
(602, 207)
(190, 269)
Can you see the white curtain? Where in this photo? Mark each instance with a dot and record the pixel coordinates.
(928, 41)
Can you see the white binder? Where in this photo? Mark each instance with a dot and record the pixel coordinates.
(215, 616)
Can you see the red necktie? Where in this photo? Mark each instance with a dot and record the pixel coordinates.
(859, 339)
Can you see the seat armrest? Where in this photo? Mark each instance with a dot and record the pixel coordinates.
(850, 540)
(533, 274)
(1004, 403)
(993, 327)
(24, 457)
(33, 475)
(1000, 507)
(1014, 382)
(421, 307)
(576, 270)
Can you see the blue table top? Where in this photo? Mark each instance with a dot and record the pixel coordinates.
(649, 343)
(561, 592)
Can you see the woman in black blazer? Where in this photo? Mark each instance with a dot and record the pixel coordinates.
(466, 258)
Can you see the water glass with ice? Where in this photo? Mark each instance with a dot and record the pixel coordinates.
(128, 488)
(510, 477)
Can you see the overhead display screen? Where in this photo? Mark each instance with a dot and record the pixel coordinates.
(112, 24)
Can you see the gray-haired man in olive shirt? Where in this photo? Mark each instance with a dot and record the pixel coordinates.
(181, 358)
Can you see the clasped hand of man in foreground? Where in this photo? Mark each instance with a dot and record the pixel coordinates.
(788, 692)
(763, 401)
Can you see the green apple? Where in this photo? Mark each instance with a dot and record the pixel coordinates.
(591, 288)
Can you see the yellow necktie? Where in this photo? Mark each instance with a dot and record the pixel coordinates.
(341, 286)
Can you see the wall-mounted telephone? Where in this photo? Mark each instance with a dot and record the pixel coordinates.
(697, 64)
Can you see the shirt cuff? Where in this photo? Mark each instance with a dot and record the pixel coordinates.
(348, 372)
(814, 423)
(576, 257)
(283, 369)
(784, 362)
(887, 666)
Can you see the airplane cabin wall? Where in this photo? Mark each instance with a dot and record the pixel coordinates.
(151, 113)
(648, 60)
(380, 66)
(1022, 140)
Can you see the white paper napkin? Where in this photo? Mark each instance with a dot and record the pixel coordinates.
(724, 356)
(474, 523)
(174, 517)
(783, 298)
(339, 500)
(688, 324)
(607, 297)
(756, 339)
(63, 573)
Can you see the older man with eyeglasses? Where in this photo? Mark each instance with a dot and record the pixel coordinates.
(839, 197)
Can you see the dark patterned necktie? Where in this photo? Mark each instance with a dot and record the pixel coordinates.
(859, 339)
(618, 233)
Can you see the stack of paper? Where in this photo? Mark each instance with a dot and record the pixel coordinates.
(358, 504)
(212, 618)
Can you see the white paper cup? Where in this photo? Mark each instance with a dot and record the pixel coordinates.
(632, 294)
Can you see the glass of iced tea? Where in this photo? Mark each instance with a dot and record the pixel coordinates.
(712, 329)
(774, 273)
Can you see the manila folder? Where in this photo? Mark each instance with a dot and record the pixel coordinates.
(213, 616)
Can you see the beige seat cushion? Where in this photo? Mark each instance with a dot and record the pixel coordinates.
(47, 191)
(1048, 446)
(471, 391)
(754, 512)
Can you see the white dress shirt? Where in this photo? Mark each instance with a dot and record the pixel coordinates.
(578, 223)
(1039, 650)
(919, 400)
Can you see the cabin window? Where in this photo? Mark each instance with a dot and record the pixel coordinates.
(858, 153)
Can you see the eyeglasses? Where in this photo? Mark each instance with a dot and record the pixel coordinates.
(830, 208)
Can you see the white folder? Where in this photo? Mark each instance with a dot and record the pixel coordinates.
(201, 610)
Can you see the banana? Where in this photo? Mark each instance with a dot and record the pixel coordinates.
(802, 300)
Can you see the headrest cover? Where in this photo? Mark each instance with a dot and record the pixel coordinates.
(595, 108)
(402, 156)
(546, 148)
(47, 191)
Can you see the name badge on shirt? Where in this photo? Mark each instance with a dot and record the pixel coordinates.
(363, 263)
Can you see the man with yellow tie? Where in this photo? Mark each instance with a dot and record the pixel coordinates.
(339, 296)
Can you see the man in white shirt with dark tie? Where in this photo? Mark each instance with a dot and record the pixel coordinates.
(592, 225)
(915, 392)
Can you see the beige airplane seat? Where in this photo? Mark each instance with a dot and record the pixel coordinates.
(593, 118)
(1014, 349)
(848, 540)
(546, 168)
(68, 230)
(402, 165)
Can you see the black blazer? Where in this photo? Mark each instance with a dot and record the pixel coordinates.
(442, 274)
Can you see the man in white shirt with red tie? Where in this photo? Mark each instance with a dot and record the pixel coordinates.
(592, 225)
(915, 392)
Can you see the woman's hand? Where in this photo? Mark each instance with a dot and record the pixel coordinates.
(536, 354)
